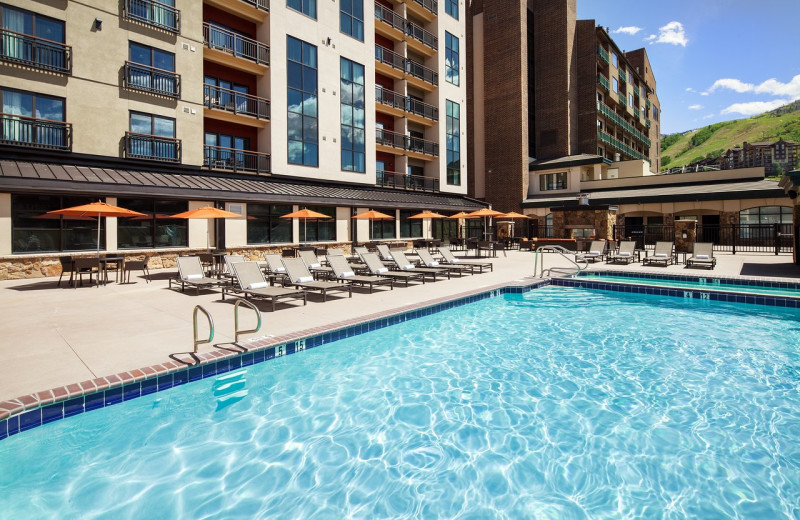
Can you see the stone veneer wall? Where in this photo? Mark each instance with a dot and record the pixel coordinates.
(39, 266)
(601, 220)
(685, 245)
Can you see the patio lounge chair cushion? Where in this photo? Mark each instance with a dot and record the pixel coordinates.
(305, 279)
(702, 257)
(347, 274)
(258, 285)
(193, 277)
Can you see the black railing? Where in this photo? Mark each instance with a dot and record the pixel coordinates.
(152, 147)
(384, 55)
(152, 80)
(402, 181)
(154, 13)
(388, 16)
(406, 142)
(420, 34)
(408, 104)
(31, 51)
(235, 102)
(645, 235)
(258, 4)
(235, 44)
(220, 158)
(430, 5)
(769, 238)
(422, 72)
(35, 133)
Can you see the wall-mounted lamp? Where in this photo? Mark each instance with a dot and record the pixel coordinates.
(98, 24)
(684, 235)
(328, 41)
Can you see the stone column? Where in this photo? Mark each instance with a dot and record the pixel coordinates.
(604, 221)
(685, 235)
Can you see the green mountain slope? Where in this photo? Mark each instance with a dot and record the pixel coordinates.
(711, 141)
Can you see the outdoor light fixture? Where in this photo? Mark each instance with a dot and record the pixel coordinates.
(98, 24)
(684, 234)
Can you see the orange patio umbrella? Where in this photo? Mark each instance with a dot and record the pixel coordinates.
(485, 213)
(305, 214)
(460, 214)
(96, 209)
(512, 215)
(373, 215)
(209, 213)
(427, 214)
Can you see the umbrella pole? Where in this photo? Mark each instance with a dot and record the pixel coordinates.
(99, 222)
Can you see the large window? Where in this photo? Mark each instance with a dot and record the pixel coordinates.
(307, 7)
(553, 181)
(453, 143)
(451, 8)
(451, 59)
(34, 231)
(17, 106)
(265, 225)
(156, 228)
(153, 137)
(319, 230)
(382, 229)
(302, 93)
(351, 18)
(444, 229)
(224, 94)
(146, 78)
(19, 48)
(353, 123)
(766, 215)
(410, 228)
(614, 59)
(224, 150)
(615, 84)
(655, 113)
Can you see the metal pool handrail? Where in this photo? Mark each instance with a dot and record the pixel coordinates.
(538, 267)
(210, 327)
(236, 330)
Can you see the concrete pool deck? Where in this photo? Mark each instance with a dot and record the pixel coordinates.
(54, 337)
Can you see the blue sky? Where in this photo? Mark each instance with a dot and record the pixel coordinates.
(714, 60)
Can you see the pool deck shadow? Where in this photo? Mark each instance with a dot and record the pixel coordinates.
(771, 270)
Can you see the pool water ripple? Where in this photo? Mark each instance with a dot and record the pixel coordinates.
(558, 404)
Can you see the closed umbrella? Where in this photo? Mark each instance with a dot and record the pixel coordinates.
(96, 209)
(306, 214)
(373, 215)
(209, 213)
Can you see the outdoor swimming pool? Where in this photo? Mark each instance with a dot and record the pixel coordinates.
(559, 403)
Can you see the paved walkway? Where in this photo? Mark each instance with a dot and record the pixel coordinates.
(57, 336)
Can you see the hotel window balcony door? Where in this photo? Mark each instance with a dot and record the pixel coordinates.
(152, 137)
(157, 71)
(33, 120)
(161, 13)
(223, 94)
(34, 40)
(226, 152)
(229, 40)
(416, 141)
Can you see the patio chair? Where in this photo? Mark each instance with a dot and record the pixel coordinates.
(82, 266)
(361, 251)
(597, 251)
(451, 259)
(702, 255)
(378, 268)
(624, 255)
(67, 266)
(251, 284)
(428, 261)
(662, 255)
(343, 271)
(136, 265)
(404, 264)
(274, 270)
(300, 276)
(191, 273)
(354, 260)
(314, 266)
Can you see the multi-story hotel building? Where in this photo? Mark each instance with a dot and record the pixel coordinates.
(259, 107)
(546, 86)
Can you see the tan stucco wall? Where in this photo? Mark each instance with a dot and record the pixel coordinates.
(236, 228)
(651, 180)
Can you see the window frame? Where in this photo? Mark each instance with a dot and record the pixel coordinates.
(353, 19)
(273, 220)
(303, 117)
(152, 123)
(154, 212)
(451, 71)
(453, 175)
(34, 16)
(303, 4)
(352, 127)
(450, 7)
(550, 181)
(408, 227)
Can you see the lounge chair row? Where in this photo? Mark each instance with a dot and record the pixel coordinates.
(663, 254)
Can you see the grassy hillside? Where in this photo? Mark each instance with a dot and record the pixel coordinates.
(711, 141)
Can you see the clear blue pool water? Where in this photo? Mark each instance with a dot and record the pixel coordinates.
(560, 404)
(710, 284)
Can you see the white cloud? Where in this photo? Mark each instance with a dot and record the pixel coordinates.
(708, 116)
(754, 107)
(631, 29)
(731, 84)
(672, 33)
(695, 107)
(689, 89)
(772, 87)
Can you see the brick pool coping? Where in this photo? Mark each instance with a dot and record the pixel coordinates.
(13, 408)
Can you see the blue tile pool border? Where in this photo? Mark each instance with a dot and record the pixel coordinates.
(259, 351)
(697, 278)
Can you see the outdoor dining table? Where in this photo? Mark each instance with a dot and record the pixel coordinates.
(117, 261)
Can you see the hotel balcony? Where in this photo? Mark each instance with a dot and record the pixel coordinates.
(612, 116)
(152, 147)
(401, 181)
(394, 103)
(234, 50)
(31, 132)
(602, 54)
(237, 161)
(425, 9)
(37, 53)
(155, 14)
(235, 107)
(622, 76)
(619, 145)
(400, 144)
(396, 66)
(151, 80)
(251, 10)
(603, 81)
(398, 28)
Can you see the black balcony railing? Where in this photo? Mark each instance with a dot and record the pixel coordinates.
(152, 147)
(384, 55)
(154, 13)
(430, 5)
(388, 16)
(235, 44)
(258, 4)
(402, 181)
(406, 142)
(407, 104)
(35, 52)
(152, 80)
(235, 102)
(422, 72)
(221, 158)
(420, 34)
(35, 133)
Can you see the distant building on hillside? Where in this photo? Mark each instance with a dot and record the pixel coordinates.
(769, 154)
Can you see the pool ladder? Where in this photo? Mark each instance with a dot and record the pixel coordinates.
(538, 264)
(236, 332)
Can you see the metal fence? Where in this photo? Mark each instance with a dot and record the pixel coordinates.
(644, 235)
(765, 238)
